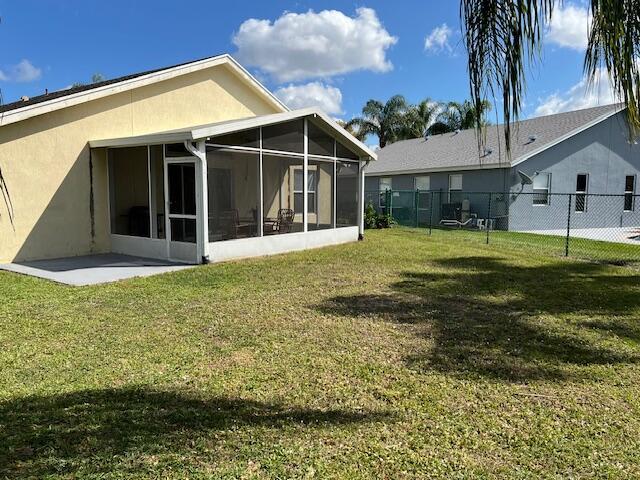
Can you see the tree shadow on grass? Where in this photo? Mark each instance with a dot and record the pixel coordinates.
(88, 430)
(625, 329)
(489, 317)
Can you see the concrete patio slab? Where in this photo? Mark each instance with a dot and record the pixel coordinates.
(93, 269)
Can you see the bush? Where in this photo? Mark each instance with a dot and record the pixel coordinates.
(370, 216)
(373, 219)
(385, 221)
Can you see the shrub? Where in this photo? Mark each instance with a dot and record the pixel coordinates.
(373, 219)
(385, 221)
(370, 216)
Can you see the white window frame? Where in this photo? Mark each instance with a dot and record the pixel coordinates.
(581, 192)
(547, 191)
(631, 192)
(383, 192)
(415, 182)
(451, 176)
(313, 168)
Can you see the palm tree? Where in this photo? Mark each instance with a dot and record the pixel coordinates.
(420, 117)
(352, 129)
(459, 116)
(386, 120)
(504, 36)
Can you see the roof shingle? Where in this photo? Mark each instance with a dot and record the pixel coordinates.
(460, 150)
(82, 88)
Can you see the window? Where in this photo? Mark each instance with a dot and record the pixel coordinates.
(298, 191)
(423, 183)
(582, 184)
(455, 188)
(384, 184)
(541, 188)
(629, 192)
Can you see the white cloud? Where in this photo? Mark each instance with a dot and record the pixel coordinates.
(24, 71)
(438, 40)
(298, 46)
(579, 96)
(569, 26)
(314, 94)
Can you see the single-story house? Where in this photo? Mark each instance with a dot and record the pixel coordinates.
(586, 153)
(196, 162)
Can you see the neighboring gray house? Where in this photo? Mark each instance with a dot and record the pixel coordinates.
(585, 153)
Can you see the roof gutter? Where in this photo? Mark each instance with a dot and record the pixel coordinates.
(453, 168)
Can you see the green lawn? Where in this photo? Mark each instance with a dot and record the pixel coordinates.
(403, 356)
(580, 248)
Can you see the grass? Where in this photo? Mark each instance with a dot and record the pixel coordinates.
(402, 356)
(579, 248)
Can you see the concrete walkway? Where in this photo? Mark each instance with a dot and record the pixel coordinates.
(628, 235)
(93, 269)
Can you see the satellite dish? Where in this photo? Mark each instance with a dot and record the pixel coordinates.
(524, 178)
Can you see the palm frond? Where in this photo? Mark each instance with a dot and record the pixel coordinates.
(361, 128)
(614, 44)
(502, 37)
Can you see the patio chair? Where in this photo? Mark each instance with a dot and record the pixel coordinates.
(228, 222)
(469, 222)
(452, 215)
(282, 224)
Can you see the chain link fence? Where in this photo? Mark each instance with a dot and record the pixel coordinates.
(594, 227)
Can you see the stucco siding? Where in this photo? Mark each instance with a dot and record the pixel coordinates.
(47, 166)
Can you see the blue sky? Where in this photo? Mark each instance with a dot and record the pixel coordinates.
(339, 54)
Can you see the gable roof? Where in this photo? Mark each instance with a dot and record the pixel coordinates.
(23, 109)
(200, 132)
(459, 151)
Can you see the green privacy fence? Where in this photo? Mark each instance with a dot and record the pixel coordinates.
(589, 226)
(423, 208)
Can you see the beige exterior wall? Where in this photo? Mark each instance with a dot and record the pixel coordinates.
(47, 165)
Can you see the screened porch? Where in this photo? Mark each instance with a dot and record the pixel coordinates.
(258, 185)
(232, 191)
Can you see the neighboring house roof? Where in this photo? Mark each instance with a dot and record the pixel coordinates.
(459, 151)
(23, 109)
(200, 132)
